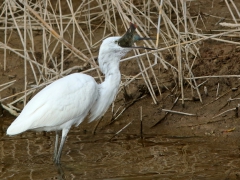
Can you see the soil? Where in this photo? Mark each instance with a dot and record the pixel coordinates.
(209, 119)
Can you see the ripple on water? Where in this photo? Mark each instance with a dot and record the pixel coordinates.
(125, 157)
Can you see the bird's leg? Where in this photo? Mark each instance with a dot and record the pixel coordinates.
(96, 126)
(64, 135)
(56, 146)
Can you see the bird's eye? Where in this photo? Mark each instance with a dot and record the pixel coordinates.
(117, 42)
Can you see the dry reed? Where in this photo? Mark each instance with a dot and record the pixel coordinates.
(62, 26)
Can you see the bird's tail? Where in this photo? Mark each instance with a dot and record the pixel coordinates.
(16, 128)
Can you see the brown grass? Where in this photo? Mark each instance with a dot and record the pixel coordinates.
(62, 24)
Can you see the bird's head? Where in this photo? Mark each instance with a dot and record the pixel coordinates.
(114, 48)
(130, 37)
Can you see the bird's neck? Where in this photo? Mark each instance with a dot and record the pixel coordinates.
(112, 76)
(110, 85)
(112, 81)
(107, 89)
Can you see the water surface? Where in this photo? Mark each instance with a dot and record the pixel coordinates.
(126, 156)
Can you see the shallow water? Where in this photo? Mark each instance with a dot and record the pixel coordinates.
(127, 156)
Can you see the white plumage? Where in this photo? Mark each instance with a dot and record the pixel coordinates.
(68, 101)
(65, 101)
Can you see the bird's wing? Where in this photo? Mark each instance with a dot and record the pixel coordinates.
(66, 99)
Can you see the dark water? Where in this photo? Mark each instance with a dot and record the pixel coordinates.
(29, 156)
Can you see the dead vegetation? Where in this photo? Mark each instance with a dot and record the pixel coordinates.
(42, 41)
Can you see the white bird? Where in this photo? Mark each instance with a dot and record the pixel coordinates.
(68, 100)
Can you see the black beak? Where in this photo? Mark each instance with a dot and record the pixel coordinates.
(130, 37)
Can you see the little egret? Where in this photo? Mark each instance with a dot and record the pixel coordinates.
(68, 100)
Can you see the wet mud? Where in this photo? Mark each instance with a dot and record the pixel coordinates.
(125, 156)
(205, 146)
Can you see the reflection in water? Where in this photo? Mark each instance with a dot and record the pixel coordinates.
(28, 156)
(61, 175)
